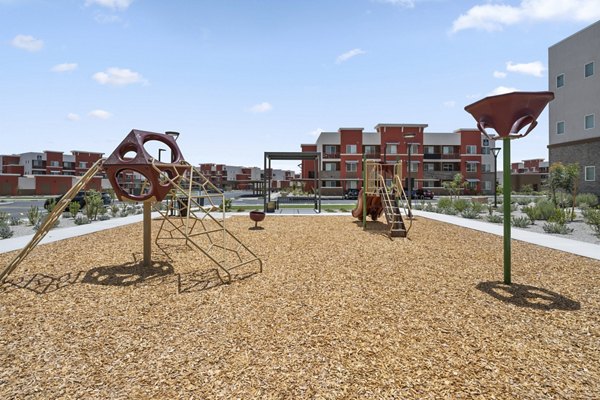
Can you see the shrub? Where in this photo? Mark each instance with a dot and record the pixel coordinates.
(429, 207)
(103, 217)
(4, 218)
(82, 220)
(240, 210)
(14, 221)
(495, 218)
(469, 213)
(5, 231)
(559, 216)
(449, 211)
(545, 209)
(460, 205)
(586, 198)
(521, 222)
(33, 215)
(227, 205)
(42, 220)
(74, 208)
(554, 227)
(477, 206)
(444, 203)
(93, 203)
(533, 213)
(114, 210)
(522, 200)
(329, 210)
(592, 218)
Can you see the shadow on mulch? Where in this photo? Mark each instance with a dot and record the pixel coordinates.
(378, 228)
(128, 274)
(528, 296)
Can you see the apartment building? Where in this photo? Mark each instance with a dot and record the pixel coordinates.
(532, 173)
(434, 157)
(46, 173)
(574, 134)
(244, 178)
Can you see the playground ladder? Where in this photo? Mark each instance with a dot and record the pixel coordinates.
(51, 218)
(392, 211)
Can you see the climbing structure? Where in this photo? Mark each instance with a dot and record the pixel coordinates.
(189, 224)
(391, 195)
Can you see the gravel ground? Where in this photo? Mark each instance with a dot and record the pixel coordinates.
(338, 312)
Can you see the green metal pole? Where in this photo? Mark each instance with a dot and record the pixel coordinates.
(506, 203)
(364, 191)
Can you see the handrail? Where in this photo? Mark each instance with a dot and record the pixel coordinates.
(397, 183)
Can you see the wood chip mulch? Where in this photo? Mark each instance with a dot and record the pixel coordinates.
(337, 313)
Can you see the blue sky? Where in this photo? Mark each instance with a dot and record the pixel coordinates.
(240, 77)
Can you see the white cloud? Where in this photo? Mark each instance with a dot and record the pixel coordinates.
(535, 68)
(449, 103)
(261, 107)
(112, 4)
(73, 117)
(348, 55)
(502, 90)
(316, 132)
(118, 77)
(27, 42)
(106, 19)
(494, 17)
(401, 3)
(499, 74)
(66, 67)
(100, 114)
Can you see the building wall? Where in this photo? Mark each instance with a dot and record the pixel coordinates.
(9, 184)
(577, 98)
(587, 154)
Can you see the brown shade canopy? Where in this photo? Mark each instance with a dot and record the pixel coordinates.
(508, 113)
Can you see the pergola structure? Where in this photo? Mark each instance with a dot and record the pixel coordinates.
(287, 156)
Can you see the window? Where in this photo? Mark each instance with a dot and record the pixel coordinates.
(391, 149)
(589, 121)
(471, 167)
(590, 173)
(589, 69)
(330, 166)
(447, 167)
(486, 142)
(351, 166)
(472, 185)
(560, 80)
(487, 185)
(82, 164)
(330, 149)
(414, 166)
(54, 164)
(428, 149)
(447, 149)
(414, 148)
(370, 149)
(352, 185)
(471, 149)
(428, 167)
(39, 158)
(560, 127)
(485, 150)
(350, 149)
(330, 183)
(54, 172)
(486, 168)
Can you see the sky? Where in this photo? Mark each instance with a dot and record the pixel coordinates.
(240, 77)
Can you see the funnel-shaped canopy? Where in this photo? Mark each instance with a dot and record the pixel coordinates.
(508, 113)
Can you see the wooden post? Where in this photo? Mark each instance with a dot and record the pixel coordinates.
(147, 233)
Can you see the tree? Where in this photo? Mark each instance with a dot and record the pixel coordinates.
(455, 185)
(564, 177)
(570, 184)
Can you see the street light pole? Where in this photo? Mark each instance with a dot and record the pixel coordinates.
(495, 151)
(408, 144)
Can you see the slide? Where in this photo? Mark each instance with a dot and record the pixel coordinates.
(374, 207)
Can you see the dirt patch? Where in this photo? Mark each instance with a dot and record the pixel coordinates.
(338, 312)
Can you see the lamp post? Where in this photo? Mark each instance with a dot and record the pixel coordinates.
(495, 151)
(173, 134)
(159, 152)
(408, 136)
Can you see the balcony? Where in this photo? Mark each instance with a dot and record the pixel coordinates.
(433, 156)
(331, 155)
(330, 175)
(451, 156)
(373, 156)
(352, 175)
(38, 164)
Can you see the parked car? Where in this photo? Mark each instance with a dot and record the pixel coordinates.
(351, 194)
(422, 194)
(78, 198)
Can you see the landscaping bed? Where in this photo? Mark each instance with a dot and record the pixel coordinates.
(337, 313)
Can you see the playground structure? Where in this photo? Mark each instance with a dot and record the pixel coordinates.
(180, 184)
(376, 197)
